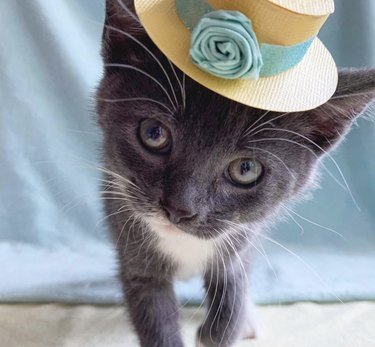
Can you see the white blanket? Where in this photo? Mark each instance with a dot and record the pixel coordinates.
(302, 325)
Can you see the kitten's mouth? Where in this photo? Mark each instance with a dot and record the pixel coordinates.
(163, 226)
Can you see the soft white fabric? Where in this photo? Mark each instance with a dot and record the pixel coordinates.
(302, 325)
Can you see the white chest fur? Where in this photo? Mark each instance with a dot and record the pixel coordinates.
(188, 252)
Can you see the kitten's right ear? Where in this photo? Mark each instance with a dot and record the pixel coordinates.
(121, 31)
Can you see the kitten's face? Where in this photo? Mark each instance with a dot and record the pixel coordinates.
(198, 159)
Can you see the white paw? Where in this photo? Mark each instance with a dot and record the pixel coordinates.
(252, 325)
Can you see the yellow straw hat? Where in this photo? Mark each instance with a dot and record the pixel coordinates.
(261, 53)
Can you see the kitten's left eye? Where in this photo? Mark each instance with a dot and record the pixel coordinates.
(155, 135)
(245, 171)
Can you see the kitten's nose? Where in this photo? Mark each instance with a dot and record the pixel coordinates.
(177, 215)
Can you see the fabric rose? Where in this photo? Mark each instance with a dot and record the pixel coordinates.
(225, 45)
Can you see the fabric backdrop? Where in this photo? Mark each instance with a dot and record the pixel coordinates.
(53, 243)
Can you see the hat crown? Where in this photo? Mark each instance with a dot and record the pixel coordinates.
(281, 22)
(307, 7)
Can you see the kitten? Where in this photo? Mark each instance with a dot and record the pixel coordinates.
(193, 178)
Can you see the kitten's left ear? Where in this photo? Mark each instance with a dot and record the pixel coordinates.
(123, 34)
(329, 123)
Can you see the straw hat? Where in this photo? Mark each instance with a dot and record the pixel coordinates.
(261, 53)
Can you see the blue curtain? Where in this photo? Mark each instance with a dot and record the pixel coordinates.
(53, 243)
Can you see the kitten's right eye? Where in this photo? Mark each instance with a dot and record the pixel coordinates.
(155, 136)
(245, 171)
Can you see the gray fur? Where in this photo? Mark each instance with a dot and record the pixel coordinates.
(208, 134)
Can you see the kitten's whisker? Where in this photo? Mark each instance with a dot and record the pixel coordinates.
(170, 112)
(121, 186)
(147, 50)
(309, 267)
(248, 130)
(275, 156)
(295, 221)
(233, 227)
(243, 279)
(180, 85)
(268, 260)
(305, 147)
(122, 232)
(323, 151)
(221, 256)
(212, 299)
(119, 177)
(119, 211)
(313, 223)
(134, 68)
(234, 301)
(210, 284)
(267, 122)
(125, 195)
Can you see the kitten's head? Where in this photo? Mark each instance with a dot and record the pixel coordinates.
(199, 160)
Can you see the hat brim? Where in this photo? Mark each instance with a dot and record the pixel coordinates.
(306, 86)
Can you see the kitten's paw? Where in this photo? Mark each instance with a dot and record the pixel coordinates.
(252, 325)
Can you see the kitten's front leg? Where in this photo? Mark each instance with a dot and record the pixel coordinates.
(153, 309)
(230, 314)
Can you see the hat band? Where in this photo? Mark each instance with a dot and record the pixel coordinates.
(225, 44)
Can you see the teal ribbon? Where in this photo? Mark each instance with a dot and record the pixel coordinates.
(224, 44)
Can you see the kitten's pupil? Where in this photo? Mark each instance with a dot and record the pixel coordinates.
(155, 133)
(246, 167)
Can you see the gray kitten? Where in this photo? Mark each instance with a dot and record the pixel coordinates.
(193, 178)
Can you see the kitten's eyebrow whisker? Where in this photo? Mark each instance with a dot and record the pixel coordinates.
(170, 112)
(183, 95)
(323, 151)
(149, 52)
(248, 132)
(139, 43)
(134, 68)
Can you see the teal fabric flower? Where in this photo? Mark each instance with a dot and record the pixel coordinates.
(225, 45)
